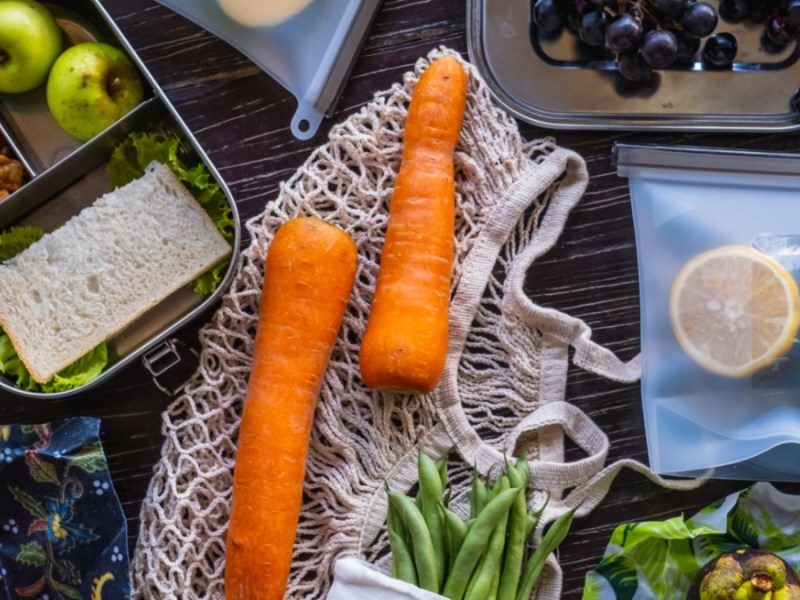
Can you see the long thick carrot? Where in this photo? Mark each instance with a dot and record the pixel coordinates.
(310, 268)
(405, 341)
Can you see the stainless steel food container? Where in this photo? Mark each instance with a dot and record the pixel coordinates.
(67, 175)
(556, 82)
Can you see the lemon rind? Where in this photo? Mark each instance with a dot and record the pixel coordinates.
(783, 342)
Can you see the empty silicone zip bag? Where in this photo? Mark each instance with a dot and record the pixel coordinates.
(307, 47)
(718, 246)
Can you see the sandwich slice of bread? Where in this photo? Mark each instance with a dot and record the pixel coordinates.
(89, 279)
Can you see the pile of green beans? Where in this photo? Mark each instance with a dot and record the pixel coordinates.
(486, 557)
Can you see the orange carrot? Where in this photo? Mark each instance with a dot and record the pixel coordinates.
(405, 342)
(309, 274)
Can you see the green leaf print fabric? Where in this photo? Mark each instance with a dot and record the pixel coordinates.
(63, 533)
(659, 559)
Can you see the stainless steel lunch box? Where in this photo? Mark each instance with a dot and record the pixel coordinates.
(66, 176)
(555, 82)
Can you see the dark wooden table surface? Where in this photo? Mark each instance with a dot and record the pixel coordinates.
(241, 117)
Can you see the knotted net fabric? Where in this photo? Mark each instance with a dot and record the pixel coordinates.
(503, 386)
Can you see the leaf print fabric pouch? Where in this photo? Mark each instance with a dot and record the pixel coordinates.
(63, 533)
(657, 560)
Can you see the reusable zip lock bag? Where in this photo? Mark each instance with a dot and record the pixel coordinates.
(310, 54)
(718, 244)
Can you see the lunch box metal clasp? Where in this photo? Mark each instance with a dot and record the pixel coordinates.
(161, 360)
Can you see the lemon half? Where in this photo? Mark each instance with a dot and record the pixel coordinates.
(734, 310)
(261, 13)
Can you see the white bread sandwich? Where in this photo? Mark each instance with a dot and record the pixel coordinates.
(86, 281)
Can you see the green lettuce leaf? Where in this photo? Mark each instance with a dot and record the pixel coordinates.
(16, 239)
(128, 162)
(11, 366)
(82, 371)
(12, 242)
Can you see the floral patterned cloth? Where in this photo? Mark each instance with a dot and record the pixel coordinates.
(657, 560)
(63, 534)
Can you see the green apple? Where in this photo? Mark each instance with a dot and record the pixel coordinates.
(91, 86)
(30, 40)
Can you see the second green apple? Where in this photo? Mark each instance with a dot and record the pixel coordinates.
(30, 40)
(90, 87)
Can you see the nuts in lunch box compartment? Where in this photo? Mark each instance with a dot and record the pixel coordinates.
(12, 174)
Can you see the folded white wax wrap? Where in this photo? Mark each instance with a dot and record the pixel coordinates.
(504, 381)
(356, 580)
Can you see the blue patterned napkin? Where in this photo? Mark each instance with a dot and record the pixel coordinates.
(63, 534)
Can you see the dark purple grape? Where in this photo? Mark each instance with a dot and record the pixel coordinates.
(699, 19)
(633, 68)
(647, 20)
(779, 31)
(579, 6)
(734, 10)
(666, 9)
(547, 16)
(793, 13)
(795, 101)
(635, 10)
(623, 33)
(603, 3)
(720, 50)
(767, 46)
(593, 25)
(687, 46)
(574, 21)
(760, 10)
(659, 48)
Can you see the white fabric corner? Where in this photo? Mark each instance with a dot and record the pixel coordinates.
(357, 580)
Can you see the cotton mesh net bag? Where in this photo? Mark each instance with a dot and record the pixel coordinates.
(503, 386)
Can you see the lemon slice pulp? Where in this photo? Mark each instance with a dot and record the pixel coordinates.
(734, 310)
(261, 13)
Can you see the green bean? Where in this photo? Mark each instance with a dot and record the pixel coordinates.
(455, 530)
(487, 556)
(502, 483)
(441, 466)
(532, 519)
(431, 491)
(521, 468)
(475, 542)
(493, 591)
(474, 577)
(552, 538)
(491, 560)
(402, 561)
(515, 547)
(421, 544)
(479, 494)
